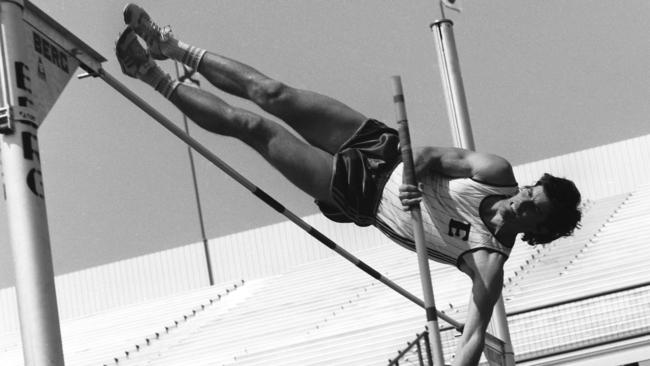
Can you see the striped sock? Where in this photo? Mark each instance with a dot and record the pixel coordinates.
(183, 52)
(167, 86)
(160, 80)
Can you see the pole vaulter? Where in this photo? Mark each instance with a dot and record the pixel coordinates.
(491, 341)
(20, 117)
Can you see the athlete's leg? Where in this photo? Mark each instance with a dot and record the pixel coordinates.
(307, 167)
(324, 122)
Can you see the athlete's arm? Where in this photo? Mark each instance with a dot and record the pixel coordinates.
(456, 163)
(461, 163)
(485, 268)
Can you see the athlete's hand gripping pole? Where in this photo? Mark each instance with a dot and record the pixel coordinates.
(418, 230)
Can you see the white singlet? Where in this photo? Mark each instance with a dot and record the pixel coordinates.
(451, 220)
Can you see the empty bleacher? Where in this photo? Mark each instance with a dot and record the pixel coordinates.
(604, 255)
(105, 337)
(328, 312)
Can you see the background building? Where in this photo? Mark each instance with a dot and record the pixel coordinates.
(282, 298)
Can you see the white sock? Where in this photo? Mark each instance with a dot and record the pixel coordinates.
(183, 52)
(160, 80)
(167, 86)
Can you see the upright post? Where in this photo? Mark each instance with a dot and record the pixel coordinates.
(23, 183)
(463, 137)
(501, 331)
(452, 83)
(418, 230)
(197, 196)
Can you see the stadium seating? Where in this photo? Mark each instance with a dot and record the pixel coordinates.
(587, 288)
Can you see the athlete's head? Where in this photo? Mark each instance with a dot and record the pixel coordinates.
(563, 214)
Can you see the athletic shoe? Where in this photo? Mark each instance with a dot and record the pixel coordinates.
(155, 36)
(134, 60)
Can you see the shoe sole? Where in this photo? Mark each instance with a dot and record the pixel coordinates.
(121, 46)
(135, 23)
(127, 15)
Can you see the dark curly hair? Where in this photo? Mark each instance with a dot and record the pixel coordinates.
(565, 214)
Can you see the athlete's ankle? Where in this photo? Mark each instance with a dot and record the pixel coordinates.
(153, 76)
(167, 86)
(183, 52)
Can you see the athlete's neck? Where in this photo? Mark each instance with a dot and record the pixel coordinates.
(493, 212)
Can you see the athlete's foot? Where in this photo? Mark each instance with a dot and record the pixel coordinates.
(134, 60)
(156, 37)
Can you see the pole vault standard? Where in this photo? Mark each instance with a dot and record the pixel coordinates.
(24, 196)
(462, 134)
(38, 58)
(206, 247)
(418, 229)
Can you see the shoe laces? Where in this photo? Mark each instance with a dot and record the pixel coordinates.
(154, 31)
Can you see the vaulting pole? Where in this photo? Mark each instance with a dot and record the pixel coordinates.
(461, 128)
(25, 198)
(418, 229)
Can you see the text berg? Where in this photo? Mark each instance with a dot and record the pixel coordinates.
(50, 52)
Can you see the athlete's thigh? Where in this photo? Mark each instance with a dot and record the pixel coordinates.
(321, 120)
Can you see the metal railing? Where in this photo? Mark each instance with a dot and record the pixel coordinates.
(581, 323)
(416, 353)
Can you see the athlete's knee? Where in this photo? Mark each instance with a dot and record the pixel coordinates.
(271, 94)
(254, 129)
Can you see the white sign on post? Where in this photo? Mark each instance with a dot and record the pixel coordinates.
(50, 68)
(38, 58)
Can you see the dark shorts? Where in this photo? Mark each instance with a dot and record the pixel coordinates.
(361, 168)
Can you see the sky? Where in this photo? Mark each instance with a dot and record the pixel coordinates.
(542, 78)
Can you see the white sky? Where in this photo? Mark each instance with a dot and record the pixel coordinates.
(543, 78)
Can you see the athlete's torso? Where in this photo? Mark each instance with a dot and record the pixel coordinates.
(451, 218)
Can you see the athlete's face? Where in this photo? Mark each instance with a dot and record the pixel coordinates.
(529, 208)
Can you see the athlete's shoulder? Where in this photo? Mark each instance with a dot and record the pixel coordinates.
(493, 169)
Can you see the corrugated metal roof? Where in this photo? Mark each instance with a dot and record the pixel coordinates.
(329, 313)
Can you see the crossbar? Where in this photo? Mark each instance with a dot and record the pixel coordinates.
(194, 144)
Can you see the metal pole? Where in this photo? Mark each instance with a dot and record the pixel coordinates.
(453, 84)
(206, 248)
(418, 229)
(462, 134)
(23, 183)
(501, 330)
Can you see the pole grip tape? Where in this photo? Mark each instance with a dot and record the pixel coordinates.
(269, 200)
(369, 270)
(313, 232)
(322, 238)
(403, 130)
(432, 314)
(332, 245)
